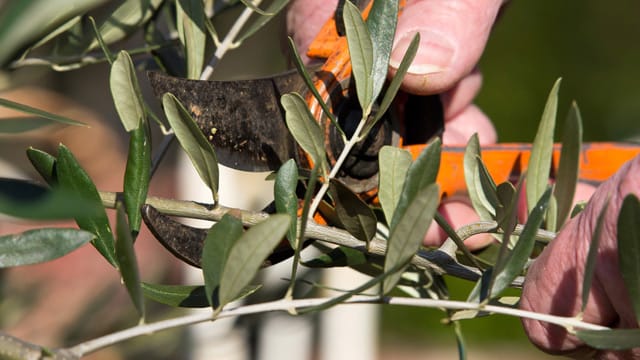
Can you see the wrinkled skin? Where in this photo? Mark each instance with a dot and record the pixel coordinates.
(554, 281)
(453, 37)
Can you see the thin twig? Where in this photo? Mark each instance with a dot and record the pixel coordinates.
(228, 41)
(299, 304)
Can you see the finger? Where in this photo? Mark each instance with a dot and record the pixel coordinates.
(453, 34)
(553, 284)
(305, 18)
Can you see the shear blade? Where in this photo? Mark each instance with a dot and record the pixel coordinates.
(186, 242)
(242, 119)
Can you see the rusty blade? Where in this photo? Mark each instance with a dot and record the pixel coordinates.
(242, 119)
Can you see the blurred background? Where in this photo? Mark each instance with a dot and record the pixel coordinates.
(591, 44)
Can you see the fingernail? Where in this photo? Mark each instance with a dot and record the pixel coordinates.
(435, 53)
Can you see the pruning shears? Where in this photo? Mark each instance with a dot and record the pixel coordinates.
(245, 124)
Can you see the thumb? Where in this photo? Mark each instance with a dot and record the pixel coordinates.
(453, 34)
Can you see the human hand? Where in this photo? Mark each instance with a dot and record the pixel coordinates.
(553, 283)
(453, 34)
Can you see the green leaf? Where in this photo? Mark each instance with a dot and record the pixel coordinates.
(126, 93)
(394, 164)
(302, 70)
(127, 18)
(408, 234)
(421, 174)
(22, 124)
(248, 254)
(217, 245)
(568, 168)
(629, 248)
(128, 264)
(253, 7)
(191, 30)
(394, 86)
(286, 198)
(44, 163)
(478, 198)
(340, 256)
(26, 200)
(304, 127)
(487, 185)
(40, 113)
(274, 8)
(40, 245)
(381, 23)
(506, 211)
(193, 141)
(522, 250)
(537, 176)
(24, 22)
(137, 175)
(72, 177)
(356, 216)
(361, 52)
(618, 339)
(592, 255)
(189, 296)
(105, 48)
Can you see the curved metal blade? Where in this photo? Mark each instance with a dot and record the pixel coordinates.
(186, 242)
(242, 119)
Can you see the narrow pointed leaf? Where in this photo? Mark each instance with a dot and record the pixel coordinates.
(361, 52)
(479, 200)
(193, 141)
(26, 200)
(592, 255)
(217, 245)
(22, 124)
(537, 176)
(568, 168)
(40, 113)
(192, 32)
(125, 91)
(356, 216)
(252, 6)
(381, 23)
(618, 339)
(72, 177)
(128, 264)
(248, 254)
(409, 232)
(488, 186)
(137, 175)
(189, 296)
(40, 245)
(103, 45)
(286, 198)
(522, 250)
(125, 19)
(395, 83)
(421, 174)
(629, 248)
(304, 127)
(394, 164)
(44, 163)
(340, 256)
(302, 70)
(274, 8)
